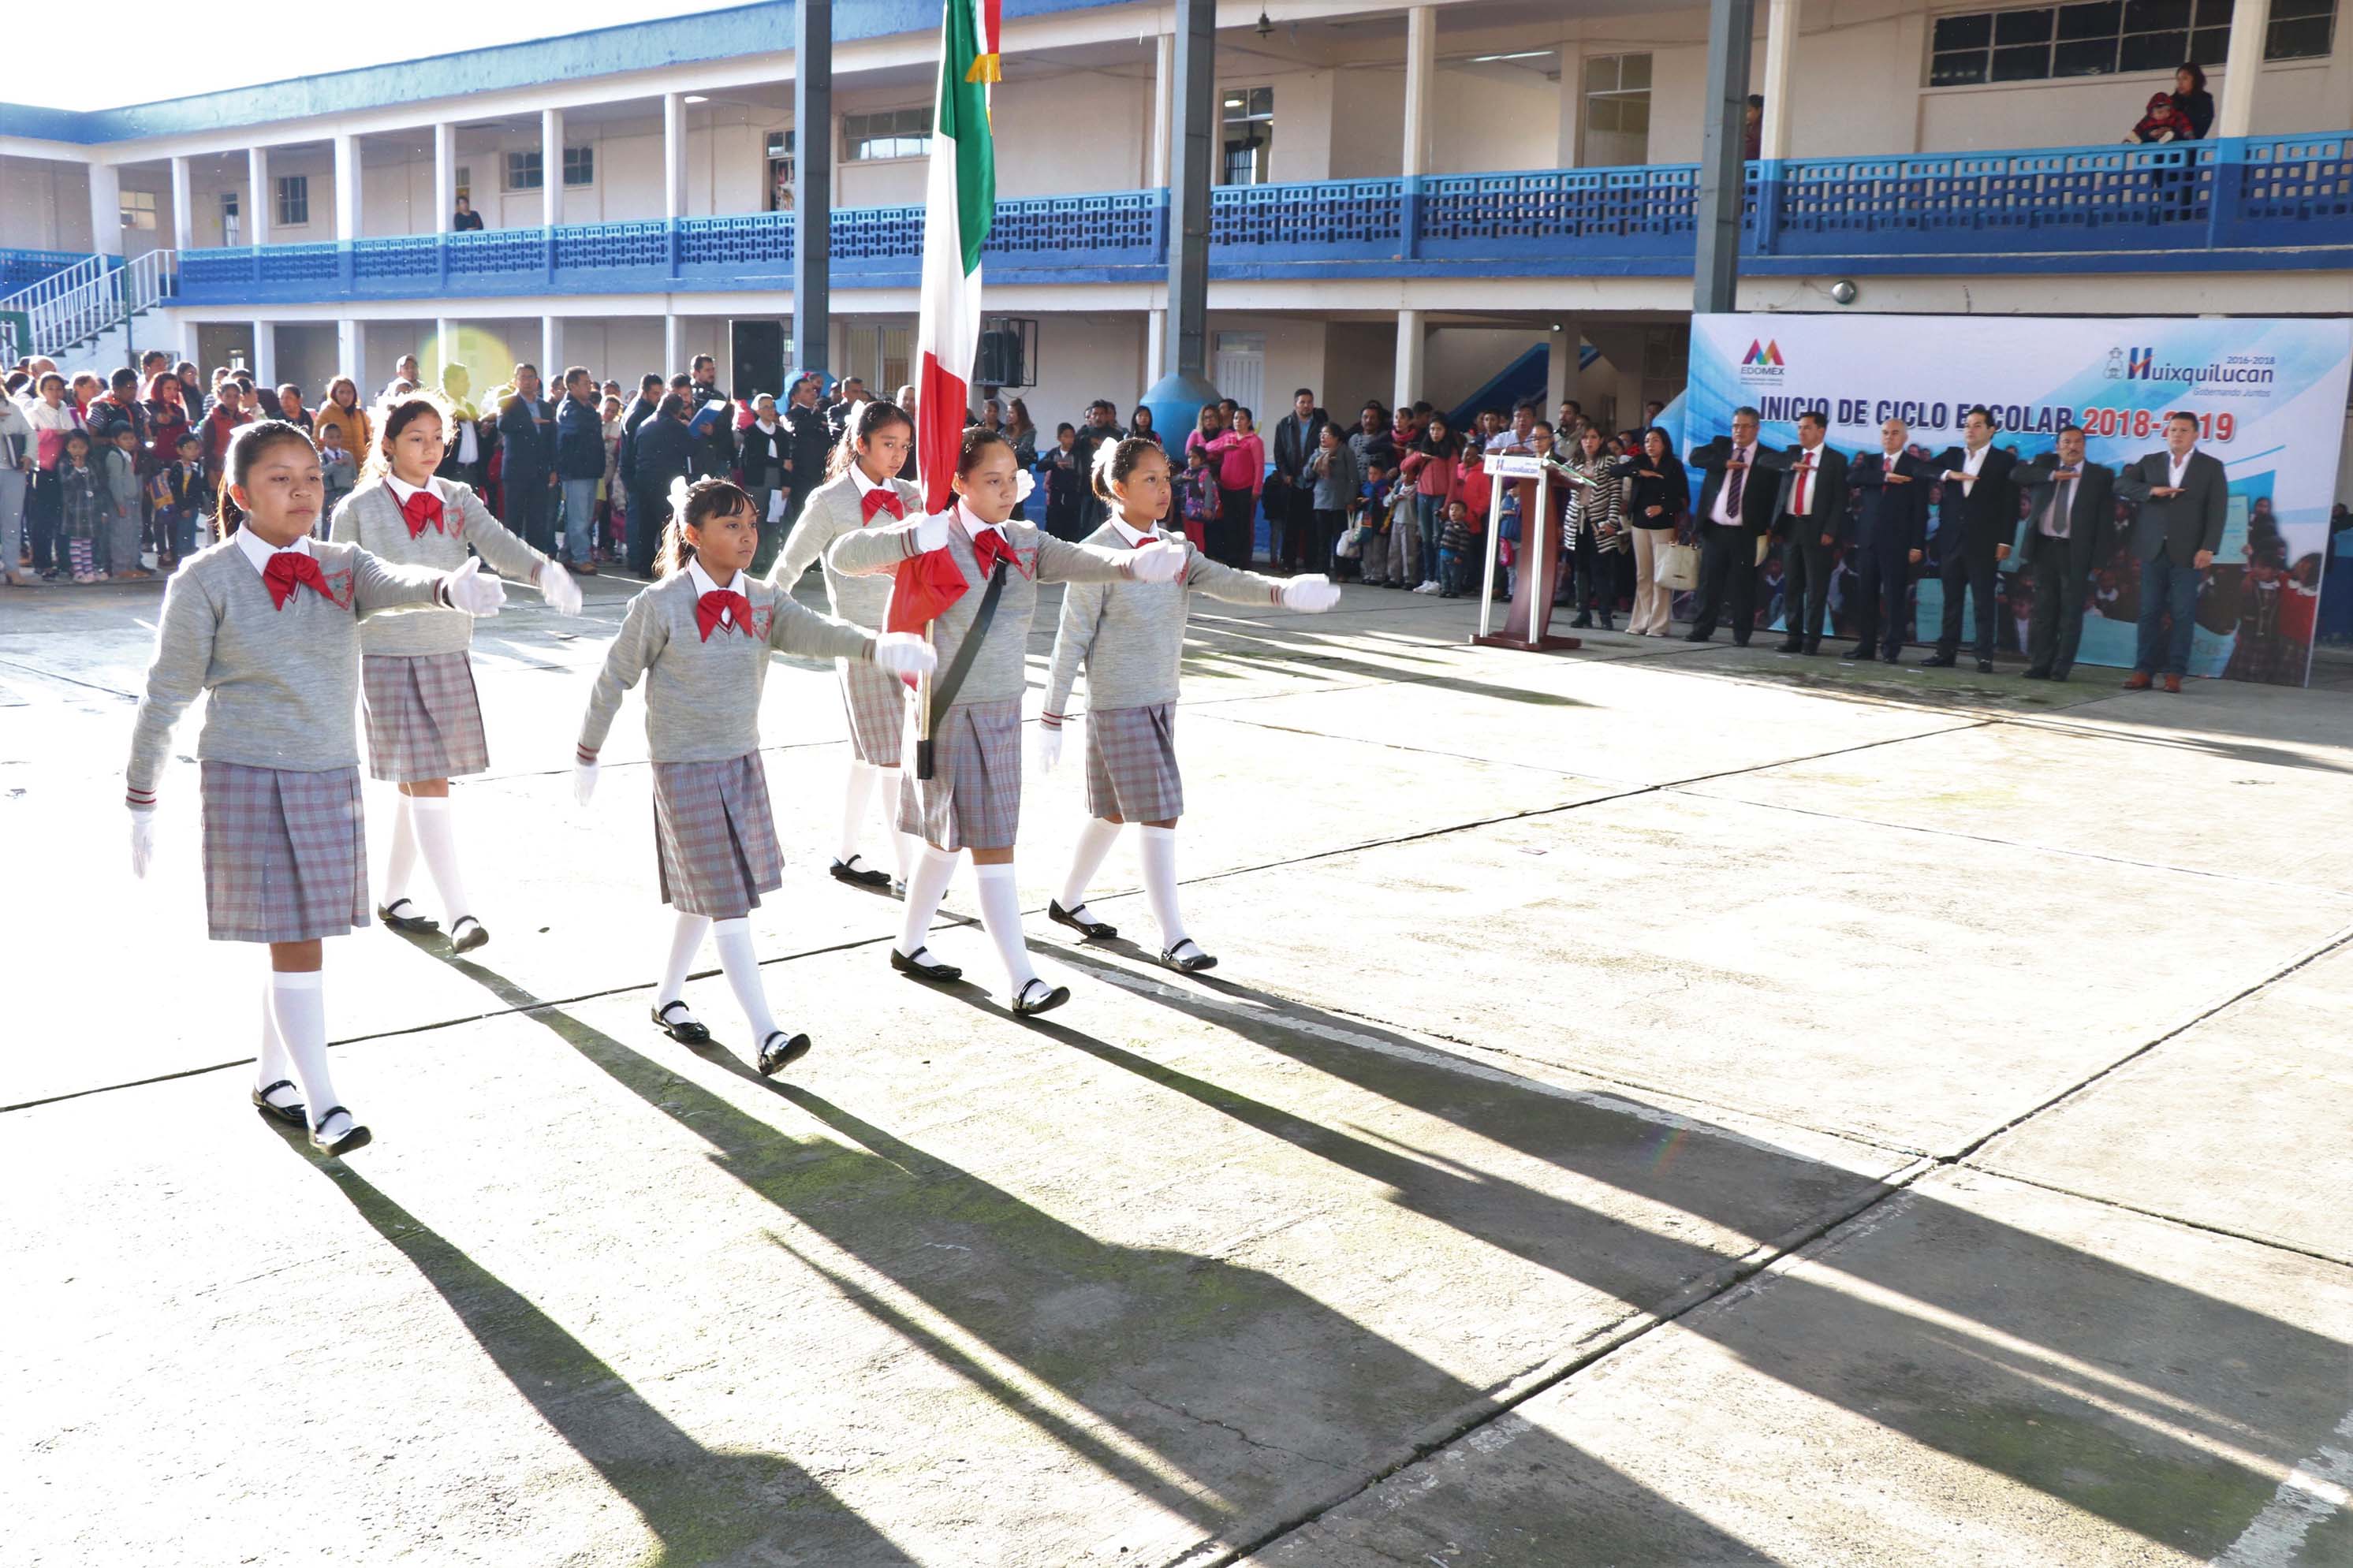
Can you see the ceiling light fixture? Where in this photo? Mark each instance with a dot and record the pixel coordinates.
(1265, 26)
(1522, 54)
(696, 97)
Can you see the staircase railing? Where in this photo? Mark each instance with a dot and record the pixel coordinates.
(95, 299)
(44, 293)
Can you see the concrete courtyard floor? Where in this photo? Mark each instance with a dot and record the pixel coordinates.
(1660, 1105)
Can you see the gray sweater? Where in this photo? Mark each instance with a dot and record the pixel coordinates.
(1337, 475)
(702, 696)
(283, 681)
(1131, 636)
(370, 518)
(832, 511)
(1000, 673)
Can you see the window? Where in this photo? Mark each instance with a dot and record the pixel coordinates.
(877, 354)
(465, 182)
(139, 210)
(230, 225)
(1617, 110)
(523, 173)
(887, 133)
(1248, 136)
(580, 165)
(780, 170)
(293, 200)
(2104, 37)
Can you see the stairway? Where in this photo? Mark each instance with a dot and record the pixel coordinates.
(88, 315)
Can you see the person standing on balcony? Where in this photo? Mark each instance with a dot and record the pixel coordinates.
(527, 475)
(2070, 509)
(2193, 106)
(2184, 497)
(416, 680)
(1737, 502)
(643, 515)
(1977, 514)
(1812, 516)
(465, 458)
(1752, 127)
(1290, 512)
(464, 219)
(579, 466)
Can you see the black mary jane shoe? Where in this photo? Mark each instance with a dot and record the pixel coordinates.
(780, 1051)
(686, 1031)
(857, 876)
(1029, 1000)
(918, 968)
(354, 1136)
(1093, 931)
(407, 925)
(290, 1115)
(1177, 959)
(463, 941)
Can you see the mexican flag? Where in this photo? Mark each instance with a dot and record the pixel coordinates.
(959, 199)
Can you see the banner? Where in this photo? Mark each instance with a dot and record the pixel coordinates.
(2269, 394)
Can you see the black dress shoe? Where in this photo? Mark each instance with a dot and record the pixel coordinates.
(1186, 962)
(1985, 667)
(685, 1031)
(1892, 656)
(1937, 661)
(1697, 637)
(857, 876)
(1607, 624)
(1859, 653)
(2034, 675)
(781, 1050)
(1582, 623)
(465, 934)
(2060, 674)
(1788, 645)
(290, 1115)
(1093, 931)
(1037, 996)
(917, 968)
(413, 925)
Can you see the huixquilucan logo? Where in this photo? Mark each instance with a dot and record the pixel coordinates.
(2140, 364)
(1763, 362)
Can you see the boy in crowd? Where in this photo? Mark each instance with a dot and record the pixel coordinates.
(182, 499)
(1197, 500)
(120, 515)
(339, 468)
(1373, 518)
(1456, 552)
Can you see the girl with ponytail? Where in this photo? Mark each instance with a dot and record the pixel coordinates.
(267, 621)
(700, 638)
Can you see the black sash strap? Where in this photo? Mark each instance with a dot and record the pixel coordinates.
(945, 689)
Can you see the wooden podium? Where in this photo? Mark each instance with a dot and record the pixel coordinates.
(1530, 611)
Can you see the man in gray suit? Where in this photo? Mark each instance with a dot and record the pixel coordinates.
(2184, 496)
(2070, 509)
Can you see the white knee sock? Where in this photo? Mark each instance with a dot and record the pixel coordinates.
(925, 889)
(1160, 883)
(1096, 840)
(300, 1009)
(403, 863)
(1000, 913)
(274, 1066)
(437, 835)
(858, 792)
(685, 942)
(734, 940)
(904, 846)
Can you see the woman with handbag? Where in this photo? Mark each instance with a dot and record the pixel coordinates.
(1594, 531)
(1661, 495)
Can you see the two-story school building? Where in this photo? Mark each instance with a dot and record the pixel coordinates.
(1436, 199)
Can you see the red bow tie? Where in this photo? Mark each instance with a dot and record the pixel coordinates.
(286, 569)
(1142, 539)
(423, 511)
(721, 602)
(990, 546)
(880, 500)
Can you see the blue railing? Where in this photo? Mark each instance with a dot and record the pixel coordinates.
(2264, 202)
(23, 268)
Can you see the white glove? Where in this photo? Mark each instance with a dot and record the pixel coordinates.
(1312, 591)
(584, 781)
(931, 534)
(557, 589)
(143, 839)
(469, 591)
(1046, 747)
(1023, 481)
(905, 653)
(1159, 562)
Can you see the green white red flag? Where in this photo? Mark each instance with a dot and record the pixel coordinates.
(959, 200)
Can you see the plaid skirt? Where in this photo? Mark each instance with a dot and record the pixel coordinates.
(714, 839)
(1132, 763)
(285, 852)
(974, 801)
(876, 700)
(423, 719)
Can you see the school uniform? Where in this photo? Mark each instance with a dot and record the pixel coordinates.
(119, 509)
(974, 798)
(81, 514)
(875, 699)
(424, 720)
(1131, 637)
(704, 653)
(276, 642)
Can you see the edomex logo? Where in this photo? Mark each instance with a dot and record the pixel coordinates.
(1763, 359)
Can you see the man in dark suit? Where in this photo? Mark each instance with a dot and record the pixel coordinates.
(2069, 508)
(1890, 534)
(1976, 517)
(1738, 501)
(1297, 438)
(527, 480)
(2184, 496)
(1811, 514)
(645, 515)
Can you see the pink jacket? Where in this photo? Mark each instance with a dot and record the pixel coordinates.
(1241, 461)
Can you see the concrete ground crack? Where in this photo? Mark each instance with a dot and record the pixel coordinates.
(1178, 1410)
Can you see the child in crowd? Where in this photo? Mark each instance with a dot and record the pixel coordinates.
(612, 506)
(182, 498)
(1457, 551)
(1373, 519)
(340, 470)
(120, 513)
(81, 505)
(1198, 498)
(1063, 483)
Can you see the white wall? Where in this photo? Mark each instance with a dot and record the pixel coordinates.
(42, 205)
(1494, 116)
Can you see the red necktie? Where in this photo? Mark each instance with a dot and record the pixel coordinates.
(880, 500)
(286, 569)
(1805, 466)
(422, 511)
(721, 602)
(989, 546)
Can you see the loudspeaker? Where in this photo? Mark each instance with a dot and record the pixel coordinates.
(998, 363)
(757, 350)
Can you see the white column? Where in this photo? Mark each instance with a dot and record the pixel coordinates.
(1156, 345)
(1164, 80)
(191, 342)
(347, 188)
(1409, 359)
(1560, 366)
(551, 166)
(105, 209)
(184, 208)
(1572, 105)
(347, 354)
(674, 154)
(444, 350)
(1420, 65)
(1781, 49)
(256, 199)
(2243, 68)
(673, 352)
(264, 354)
(550, 350)
(445, 175)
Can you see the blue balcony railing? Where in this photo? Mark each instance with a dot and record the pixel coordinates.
(2264, 202)
(23, 268)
